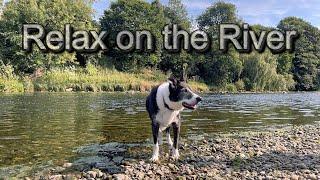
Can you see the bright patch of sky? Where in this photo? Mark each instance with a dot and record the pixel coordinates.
(265, 12)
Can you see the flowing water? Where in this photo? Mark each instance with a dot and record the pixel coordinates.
(44, 127)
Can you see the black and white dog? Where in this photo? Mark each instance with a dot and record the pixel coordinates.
(164, 105)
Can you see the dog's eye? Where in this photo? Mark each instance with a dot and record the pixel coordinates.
(185, 90)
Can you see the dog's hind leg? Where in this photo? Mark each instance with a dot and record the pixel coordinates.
(169, 141)
(155, 132)
(176, 132)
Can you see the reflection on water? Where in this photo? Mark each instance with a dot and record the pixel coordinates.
(38, 128)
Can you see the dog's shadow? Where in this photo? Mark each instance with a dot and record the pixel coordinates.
(275, 160)
(267, 162)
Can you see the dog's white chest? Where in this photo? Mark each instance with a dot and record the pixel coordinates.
(166, 117)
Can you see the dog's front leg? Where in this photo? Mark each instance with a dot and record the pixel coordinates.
(176, 133)
(169, 141)
(155, 132)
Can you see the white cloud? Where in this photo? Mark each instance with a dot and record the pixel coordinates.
(196, 5)
(248, 8)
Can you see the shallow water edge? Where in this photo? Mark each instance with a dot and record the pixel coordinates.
(289, 152)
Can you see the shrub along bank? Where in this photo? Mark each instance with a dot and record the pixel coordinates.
(90, 79)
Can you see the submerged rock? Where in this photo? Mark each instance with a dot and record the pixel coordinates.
(105, 157)
(118, 159)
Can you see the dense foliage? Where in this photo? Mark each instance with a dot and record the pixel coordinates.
(232, 71)
(305, 59)
(53, 15)
(134, 15)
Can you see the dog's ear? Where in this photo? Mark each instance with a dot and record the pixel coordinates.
(174, 82)
(182, 79)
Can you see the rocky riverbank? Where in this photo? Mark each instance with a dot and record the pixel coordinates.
(289, 153)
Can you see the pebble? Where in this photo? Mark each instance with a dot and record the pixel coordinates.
(159, 172)
(120, 177)
(294, 177)
(300, 132)
(67, 165)
(269, 177)
(181, 178)
(238, 148)
(56, 177)
(92, 174)
(188, 171)
(99, 174)
(312, 177)
(140, 175)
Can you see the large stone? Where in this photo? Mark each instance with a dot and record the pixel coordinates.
(294, 177)
(120, 177)
(92, 174)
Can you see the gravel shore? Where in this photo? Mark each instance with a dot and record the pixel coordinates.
(289, 153)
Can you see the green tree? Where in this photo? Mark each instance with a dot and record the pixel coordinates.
(306, 57)
(219, 69)
(218, 13)
(134, 15)
(1, 7)
(1, 44)
(260, 73)
(176, 13)
(50, 14)
(285, 64)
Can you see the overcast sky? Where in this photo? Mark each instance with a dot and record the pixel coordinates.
(265, 12)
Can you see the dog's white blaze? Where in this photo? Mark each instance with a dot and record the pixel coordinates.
(163, 94)
(166, 117)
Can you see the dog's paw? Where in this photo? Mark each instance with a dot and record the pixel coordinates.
(175, 154)
(154, 159)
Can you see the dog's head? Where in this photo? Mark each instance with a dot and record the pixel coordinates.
(182, 94)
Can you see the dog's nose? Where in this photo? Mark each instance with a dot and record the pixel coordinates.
(199, 99)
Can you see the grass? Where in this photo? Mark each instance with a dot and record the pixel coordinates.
(90, 79)
(11, 85)
(9, 82)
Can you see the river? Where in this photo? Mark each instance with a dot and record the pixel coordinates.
(44, 129)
